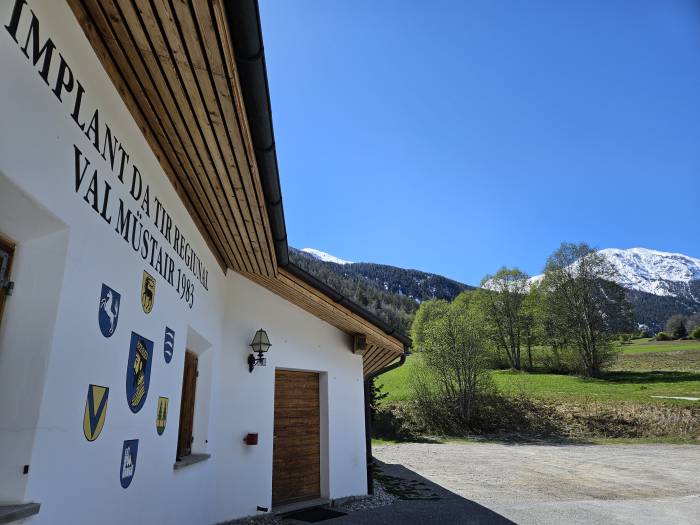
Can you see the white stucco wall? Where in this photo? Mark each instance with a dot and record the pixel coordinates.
(51, 350)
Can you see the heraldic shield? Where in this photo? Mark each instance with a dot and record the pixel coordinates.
(95, 411)
(108, 312)
(162, 415)
(128, 467)
(169, 344)
(138, 371)
(148, 292)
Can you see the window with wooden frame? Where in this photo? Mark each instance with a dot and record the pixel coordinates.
(7, 250)
(189, 388)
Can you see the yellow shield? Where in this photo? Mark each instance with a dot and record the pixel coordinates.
(95, 411)
(148, 292)
(162, 415)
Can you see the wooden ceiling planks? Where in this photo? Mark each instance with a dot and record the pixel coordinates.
(172, 62)
(174, 59)
(385, 359)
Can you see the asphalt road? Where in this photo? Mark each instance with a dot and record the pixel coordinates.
(546, 484)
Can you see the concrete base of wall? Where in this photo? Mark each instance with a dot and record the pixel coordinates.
(10, 513)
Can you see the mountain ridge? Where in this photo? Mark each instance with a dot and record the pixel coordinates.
(392, 293)
(658, 284)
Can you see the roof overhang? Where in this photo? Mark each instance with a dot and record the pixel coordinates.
(193, 76)
(173, 64)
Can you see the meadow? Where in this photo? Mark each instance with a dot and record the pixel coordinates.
(644, 369)
(632, 402)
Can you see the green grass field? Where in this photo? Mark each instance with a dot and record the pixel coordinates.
(644, 369)
(637, 386)
(641, 346)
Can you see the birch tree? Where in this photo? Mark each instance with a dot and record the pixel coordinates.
(502, 296)
(586, 307)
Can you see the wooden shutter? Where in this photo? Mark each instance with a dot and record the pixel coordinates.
(296, 447)
(7, 250)
(189, 387)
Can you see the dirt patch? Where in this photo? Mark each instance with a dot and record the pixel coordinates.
(564, 421)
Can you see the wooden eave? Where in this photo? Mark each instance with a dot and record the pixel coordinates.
(381, 350)
(173, 64)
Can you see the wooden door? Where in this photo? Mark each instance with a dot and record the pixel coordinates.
(189, 387)
(296, 448)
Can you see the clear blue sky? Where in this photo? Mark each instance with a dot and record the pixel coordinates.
(457, 137)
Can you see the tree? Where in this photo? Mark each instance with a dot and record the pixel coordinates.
(586, 307)
(692, 322)
(676, 326)
(502, 296)
(428, 311)
(680, 332)
(453, 371)
(532, 320)
(376, 394)
(696, 333)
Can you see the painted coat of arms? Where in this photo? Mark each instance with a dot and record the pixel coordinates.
(148, 292)
(162, 415)
(108, 312)
(169, 344)
(138, 371)
(128, 467)
(95, 411)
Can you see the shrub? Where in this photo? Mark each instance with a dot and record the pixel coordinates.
(561, 360)
(663, 336)
(680, 332)
(696, 333)
(676, 326)
(451, 374)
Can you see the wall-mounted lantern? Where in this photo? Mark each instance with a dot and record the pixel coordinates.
(260, 345)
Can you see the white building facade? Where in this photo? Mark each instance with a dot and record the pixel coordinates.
(113, 283)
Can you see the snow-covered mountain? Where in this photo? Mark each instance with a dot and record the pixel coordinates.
(653, 271)
(325, 257)
(659, 284)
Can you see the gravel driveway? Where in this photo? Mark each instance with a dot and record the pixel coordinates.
(540, 484)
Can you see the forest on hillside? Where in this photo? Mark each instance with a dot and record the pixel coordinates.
(393, 294)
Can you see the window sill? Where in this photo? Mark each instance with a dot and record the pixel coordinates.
(10, 513)
(190, 460)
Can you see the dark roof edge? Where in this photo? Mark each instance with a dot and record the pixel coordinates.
(243, 17)
(347, 303)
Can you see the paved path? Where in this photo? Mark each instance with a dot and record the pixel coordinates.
(543, 484)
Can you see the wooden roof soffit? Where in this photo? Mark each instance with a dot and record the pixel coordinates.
(381, 350)
(173, 65)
